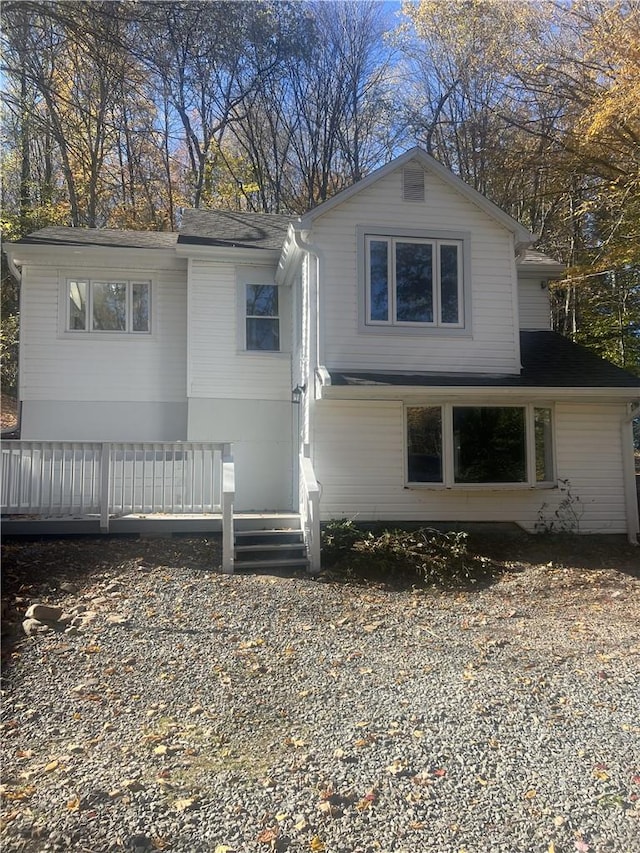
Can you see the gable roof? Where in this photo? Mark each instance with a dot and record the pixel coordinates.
(549, 360)
(430, 164)
(59, 235)
(233, 229)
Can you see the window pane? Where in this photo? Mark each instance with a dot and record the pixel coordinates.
(449, 284)
(424, 444)
(414, 282)
(78, 305)
(263, 333)
(379, 280)
(489, 445)
(262, 300)
(109, 306)
(140, 306)
(544, 445)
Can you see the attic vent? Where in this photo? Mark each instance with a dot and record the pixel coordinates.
(413, 182)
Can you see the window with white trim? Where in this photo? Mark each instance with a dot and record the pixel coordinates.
(108, 306)
(479, 445)
(413, 281)
(262, 317)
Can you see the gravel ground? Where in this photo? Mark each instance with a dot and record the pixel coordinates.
(198, 712)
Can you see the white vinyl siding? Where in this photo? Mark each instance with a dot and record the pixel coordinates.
(491, 309)
(359, 457)
(533, 304)
(219, 366)
(60, 366)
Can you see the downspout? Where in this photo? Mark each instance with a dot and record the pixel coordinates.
(318, 330)
(13, 268)
(628, 471)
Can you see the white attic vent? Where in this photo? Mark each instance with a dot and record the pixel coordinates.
(413, 182)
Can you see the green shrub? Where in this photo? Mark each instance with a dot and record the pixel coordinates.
(424, 556)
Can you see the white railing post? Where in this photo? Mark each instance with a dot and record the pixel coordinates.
(228, 497)
(105, 469)
(310, 511)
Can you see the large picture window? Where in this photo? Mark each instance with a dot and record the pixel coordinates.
(414, 282)
(476, 445)
(108, 306)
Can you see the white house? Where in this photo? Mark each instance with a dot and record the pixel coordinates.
(389, 354)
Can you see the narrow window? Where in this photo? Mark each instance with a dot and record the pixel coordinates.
(424, 444)
(544, 445)
(489, 444)
(78, 305)
(379, 281)
(449, 283)
(140, 306)
(262, 319)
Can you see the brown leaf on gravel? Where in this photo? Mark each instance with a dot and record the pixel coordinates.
(269, 835)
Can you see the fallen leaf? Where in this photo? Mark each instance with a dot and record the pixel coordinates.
(183, 804)
(223, 848)
(160, 750)
(52, 765)
(530, 794)
(316, 845)
(268, 835)
(73, 805)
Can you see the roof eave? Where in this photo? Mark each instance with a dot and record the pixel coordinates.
(451, 392)
(200, 251)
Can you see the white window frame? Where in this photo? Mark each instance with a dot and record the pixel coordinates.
(448, 462)
(90, 281)
(366, 234)
(257, 275)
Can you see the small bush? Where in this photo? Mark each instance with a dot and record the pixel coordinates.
(424, 556)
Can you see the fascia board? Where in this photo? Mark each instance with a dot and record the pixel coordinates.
(228, 253)
(396, 392)
(71, 255)
(523, 236)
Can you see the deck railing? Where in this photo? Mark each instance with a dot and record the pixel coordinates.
(310, 512)
(86, 478)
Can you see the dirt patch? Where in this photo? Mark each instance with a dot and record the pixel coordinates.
(8, 413)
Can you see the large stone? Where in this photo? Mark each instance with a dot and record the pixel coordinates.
(31, 627)
(44, 612)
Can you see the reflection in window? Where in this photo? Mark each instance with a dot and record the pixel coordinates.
(109, 300)
(424, 444)
(489, 444)
(544, 445)
(78, 305)
(108, 306)
(262, 320)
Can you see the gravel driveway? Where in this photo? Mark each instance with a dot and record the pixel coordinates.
(197, 712)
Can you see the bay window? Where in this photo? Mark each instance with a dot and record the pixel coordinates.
(479, 445)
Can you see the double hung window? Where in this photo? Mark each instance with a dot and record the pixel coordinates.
(464, 445)
(262, 330)
(108, 306)
(414, 281)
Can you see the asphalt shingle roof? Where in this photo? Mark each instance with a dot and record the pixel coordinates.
(228, 228)
(548, 360)
(58, 235)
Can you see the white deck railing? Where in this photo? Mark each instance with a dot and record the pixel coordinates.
(310, 512)
(86, 478)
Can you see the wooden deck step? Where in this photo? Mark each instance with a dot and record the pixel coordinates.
(270, 548)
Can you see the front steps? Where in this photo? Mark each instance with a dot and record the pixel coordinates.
(269, 543)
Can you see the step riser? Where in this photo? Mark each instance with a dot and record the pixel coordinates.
(269, 543)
